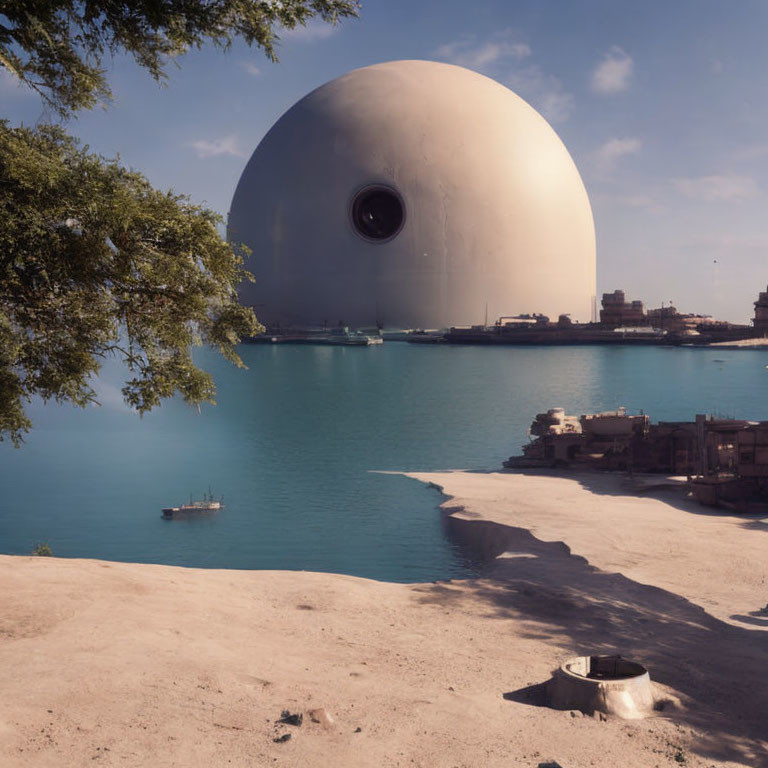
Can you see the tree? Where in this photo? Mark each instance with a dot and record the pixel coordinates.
(93, 260)
(56, 46)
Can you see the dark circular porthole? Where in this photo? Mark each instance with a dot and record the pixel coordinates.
(377, 213)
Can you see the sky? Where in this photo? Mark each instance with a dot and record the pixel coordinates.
(663, 106)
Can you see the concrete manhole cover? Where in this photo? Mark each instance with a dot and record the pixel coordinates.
(608, 684)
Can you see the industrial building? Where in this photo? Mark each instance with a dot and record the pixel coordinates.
(616, 310)
(725, 460)
(761, 314)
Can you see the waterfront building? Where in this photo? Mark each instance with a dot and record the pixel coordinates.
(672, 321)
(413, 194)
(617, 311)
(761, 313)
(725, 460)
(663, 317)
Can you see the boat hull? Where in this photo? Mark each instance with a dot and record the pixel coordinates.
(187, 511)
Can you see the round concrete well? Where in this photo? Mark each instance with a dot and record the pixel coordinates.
(606, 684)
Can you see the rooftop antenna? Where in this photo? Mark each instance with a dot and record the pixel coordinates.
(486, 315)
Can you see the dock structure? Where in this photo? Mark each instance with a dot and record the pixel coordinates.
(724, 460)
(621, 322)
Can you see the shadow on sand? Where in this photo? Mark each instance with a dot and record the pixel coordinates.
(532, 695)
(720, 670)
(621, 484)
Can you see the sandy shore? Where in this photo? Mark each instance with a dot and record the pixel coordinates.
(134, 665)
(755, 343)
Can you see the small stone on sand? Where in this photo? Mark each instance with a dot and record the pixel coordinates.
(320, 716)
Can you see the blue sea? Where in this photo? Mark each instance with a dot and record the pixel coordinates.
(301, 445)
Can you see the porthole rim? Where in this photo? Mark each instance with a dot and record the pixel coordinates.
(374, 187)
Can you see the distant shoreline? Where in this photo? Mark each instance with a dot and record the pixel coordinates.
(757, 343)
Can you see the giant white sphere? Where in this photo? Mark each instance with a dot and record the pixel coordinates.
(413, 194)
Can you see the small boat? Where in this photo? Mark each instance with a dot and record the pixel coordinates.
(344, 337)
(421, 336)
(340, 337)
(207, 505)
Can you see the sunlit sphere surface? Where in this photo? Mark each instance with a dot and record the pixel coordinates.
(413, 194)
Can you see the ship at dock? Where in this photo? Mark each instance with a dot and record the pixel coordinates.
(340, 336)
(620, 322)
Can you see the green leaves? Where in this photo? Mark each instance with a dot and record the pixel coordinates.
(93, 262)
(56, 46)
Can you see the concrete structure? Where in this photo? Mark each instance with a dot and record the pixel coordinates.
(725, 460)
(413, 194)
(607, 684)
(761, 313)
(617, 311)
(671, 320)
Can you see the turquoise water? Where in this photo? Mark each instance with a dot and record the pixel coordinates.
(296, 444)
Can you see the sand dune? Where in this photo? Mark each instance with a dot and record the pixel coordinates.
(133, 665)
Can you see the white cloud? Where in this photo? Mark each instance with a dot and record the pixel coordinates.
(613, 73)
(228, 145)
(727, 186)
(613, 150)
(250, 68)
(315, 29)
(544, 92)
(469, 53)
